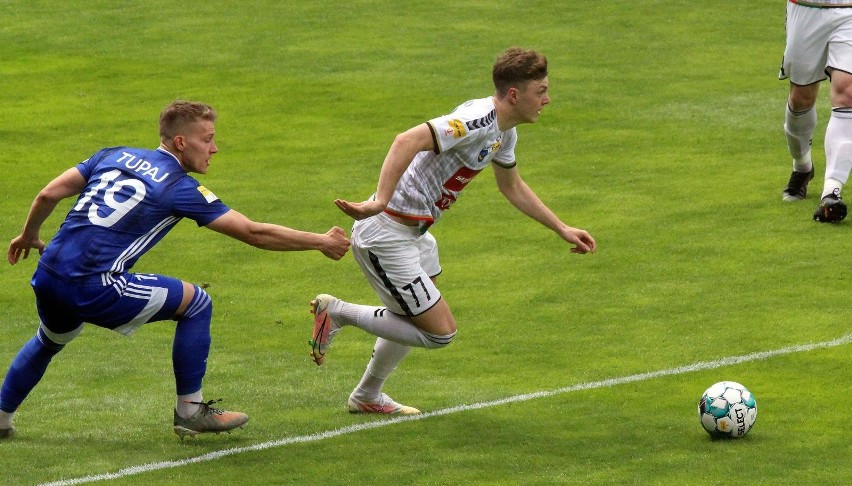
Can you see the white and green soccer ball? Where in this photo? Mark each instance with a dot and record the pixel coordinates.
(727, 410)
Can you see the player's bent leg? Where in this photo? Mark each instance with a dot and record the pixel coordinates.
(27, 369)
(191, 345)
(437, 321)
(331, 314)
(432, 329)
(192, 415)
(367, 397)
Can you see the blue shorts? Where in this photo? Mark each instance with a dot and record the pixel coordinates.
(120, 302)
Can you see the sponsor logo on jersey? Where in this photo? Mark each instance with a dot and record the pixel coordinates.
(457, 128)
(455, 183)
(208, 196)
(460, 179)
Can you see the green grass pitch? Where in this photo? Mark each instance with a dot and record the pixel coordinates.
(664, 140)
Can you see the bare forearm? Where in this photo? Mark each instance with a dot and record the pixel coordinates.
(523, 198)
(333, 244)
(40, 210)
(273, 237)
(20, 246)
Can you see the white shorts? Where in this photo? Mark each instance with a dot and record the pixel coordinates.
(399, 262)
(818, 39)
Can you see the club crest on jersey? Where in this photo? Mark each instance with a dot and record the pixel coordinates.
(208, 196)
(141, 167)
(489, 149)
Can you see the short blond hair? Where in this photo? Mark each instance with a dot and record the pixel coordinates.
(179, 114)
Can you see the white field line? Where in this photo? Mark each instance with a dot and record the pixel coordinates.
(210, 456)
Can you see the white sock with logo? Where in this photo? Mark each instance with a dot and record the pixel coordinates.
(799, 128)
(387, 355)
(381, 322)
(838, 150)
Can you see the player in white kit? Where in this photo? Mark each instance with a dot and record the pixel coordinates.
(819, 46)
(423, 173)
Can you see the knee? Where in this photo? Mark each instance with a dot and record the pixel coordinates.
(803, 97)
(200, 303)
(442, 334)
(57, 341)
(444, 324)
(437, 325)
(449, 327)
(435, 341)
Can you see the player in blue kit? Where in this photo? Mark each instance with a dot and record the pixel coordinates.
(128, 200)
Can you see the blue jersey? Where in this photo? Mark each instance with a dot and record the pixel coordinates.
(133, 197)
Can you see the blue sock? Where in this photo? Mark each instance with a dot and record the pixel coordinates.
(192, 343)
(26, 370)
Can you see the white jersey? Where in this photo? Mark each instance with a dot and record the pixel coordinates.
(466, 141)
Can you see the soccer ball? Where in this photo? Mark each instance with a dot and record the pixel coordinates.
(727, 409)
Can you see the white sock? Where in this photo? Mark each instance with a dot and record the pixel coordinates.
(838, 149)
(381, 322)
(386, 357)
(831, 185)
(6, 419)
(344, 313)
(186, 409)
(799, 128)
